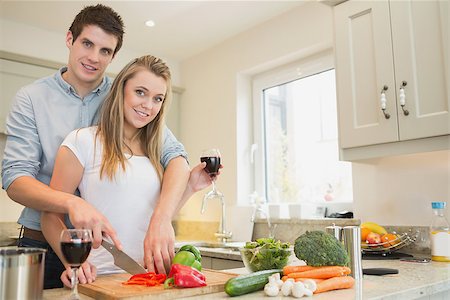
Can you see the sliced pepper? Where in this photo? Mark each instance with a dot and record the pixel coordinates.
(147, 279)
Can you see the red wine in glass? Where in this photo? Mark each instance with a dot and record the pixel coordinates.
(76, 253)
(212, 164)
(75, 246)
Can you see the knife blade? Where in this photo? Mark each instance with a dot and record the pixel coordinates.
(122, 260)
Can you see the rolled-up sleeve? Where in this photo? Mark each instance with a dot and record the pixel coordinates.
(172, 148)
(23, 148)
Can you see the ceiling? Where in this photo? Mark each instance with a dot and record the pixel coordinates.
(183, 28)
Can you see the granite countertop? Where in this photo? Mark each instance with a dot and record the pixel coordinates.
(414, 280)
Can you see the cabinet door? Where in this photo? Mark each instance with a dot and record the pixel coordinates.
(364, 64)
(420, 43)
(13, 76)
(223, 264)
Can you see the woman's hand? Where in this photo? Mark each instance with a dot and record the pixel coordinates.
(86, 274)
(159, 245)
(199, 178)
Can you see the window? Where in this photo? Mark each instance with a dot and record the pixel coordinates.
(296, 133)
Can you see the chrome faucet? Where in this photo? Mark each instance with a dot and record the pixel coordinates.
(222, 234)
(262, 213)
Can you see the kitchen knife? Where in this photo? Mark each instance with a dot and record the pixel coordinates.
(122, 260)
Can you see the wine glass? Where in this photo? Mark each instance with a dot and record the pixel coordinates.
(75, 246)
(212, 159)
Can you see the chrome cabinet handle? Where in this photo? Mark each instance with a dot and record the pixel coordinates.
(383, 101)
(402, 97)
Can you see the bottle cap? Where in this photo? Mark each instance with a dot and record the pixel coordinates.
(438, 205)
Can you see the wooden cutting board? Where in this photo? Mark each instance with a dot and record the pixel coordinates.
(109, 287)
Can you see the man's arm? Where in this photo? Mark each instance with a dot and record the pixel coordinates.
(21, 160)
(160, 238)
(32, 193)
(199, 179)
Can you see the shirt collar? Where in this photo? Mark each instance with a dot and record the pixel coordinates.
(102, 87)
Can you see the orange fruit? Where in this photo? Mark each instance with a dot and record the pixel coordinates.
(389, 239)
(364, 232)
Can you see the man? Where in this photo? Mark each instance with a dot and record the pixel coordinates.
(45, 112)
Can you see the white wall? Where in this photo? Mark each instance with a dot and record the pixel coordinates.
(214, 112)
(399, 190)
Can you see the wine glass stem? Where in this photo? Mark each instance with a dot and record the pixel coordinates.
(74, 282)
(214, 185)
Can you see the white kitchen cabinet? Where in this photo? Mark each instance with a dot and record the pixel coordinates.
(387, 44)
(13, 76)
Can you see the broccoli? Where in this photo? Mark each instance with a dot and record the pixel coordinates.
(318, 248)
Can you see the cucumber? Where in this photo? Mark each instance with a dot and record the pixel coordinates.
(249, 283)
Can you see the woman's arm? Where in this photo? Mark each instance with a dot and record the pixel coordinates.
(52, 224)
(67, 175)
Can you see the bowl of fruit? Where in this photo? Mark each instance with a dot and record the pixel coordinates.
(376, 239)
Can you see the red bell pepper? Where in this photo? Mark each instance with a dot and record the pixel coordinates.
(184, 276)
(147, 279)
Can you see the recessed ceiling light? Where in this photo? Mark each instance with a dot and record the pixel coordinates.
(150, 23)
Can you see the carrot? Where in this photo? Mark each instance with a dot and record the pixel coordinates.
(320, 273)
(347, 270)
(335, 283)
(303, 279)
(295, 269)
(284, 278)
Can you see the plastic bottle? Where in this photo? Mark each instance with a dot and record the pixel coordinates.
(440, 234)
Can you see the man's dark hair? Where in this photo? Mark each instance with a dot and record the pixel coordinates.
(102, 16)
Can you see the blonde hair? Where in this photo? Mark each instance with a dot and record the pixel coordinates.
(110, 127)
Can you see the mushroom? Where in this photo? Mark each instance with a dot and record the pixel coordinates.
(271, 289)
(310, 285)
(286, 288)
(299, 290)
(275, 278)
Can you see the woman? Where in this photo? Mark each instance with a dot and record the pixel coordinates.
(116, 166)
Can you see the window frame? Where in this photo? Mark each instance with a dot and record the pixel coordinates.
(298, 69)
